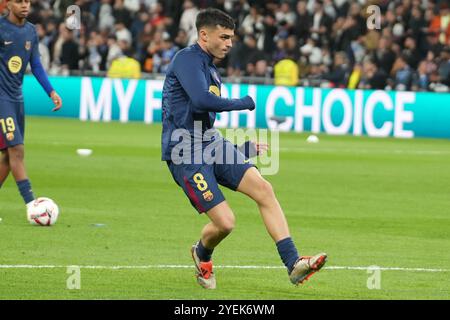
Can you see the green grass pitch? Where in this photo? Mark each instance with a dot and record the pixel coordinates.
(365, 202)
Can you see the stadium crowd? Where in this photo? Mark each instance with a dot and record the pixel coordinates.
(311, 42)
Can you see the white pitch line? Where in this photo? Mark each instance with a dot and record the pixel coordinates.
(163, 266)
(365, 151)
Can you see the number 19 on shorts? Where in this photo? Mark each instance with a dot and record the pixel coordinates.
(7, 125)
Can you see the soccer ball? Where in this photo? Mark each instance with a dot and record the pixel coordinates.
(43, 212)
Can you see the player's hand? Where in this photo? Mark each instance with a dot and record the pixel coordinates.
(251, 104)
(261, 148)
(56, 100)
(253, 148)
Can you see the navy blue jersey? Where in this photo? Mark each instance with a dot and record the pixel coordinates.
(191, 93)
(18, 44)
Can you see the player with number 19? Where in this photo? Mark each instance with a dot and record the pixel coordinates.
(18, 46)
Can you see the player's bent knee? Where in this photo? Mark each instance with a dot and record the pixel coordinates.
(264, 191)
(226, 228)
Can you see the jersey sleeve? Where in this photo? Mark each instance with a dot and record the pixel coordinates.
(36, 66)
(190, 71)
(35, 45)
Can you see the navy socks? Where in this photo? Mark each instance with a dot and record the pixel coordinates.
(288, 253)
(25, 190)
(204, 253)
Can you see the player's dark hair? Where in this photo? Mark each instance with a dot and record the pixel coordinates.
(212, 18)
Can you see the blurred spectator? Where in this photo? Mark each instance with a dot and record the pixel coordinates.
(132, 5)
(157, 17)
(416, 23)
(165, 55)
(434, 45)
(253, 23)
(384, 57)
(259, 69)
(342, 7)
(69, 51)
(321, 24)
(187, 21)
(122, 33)
(280, 52)
(344, 33)
(292, 48)
(181, 40)
(444, 67)
(114, 51)
(329, 9)
(402, 73)
(235, 58)
(440, 24)
(372, 77)
(2, 7)
(121, 13)
(98, 52)
(252, 55)
(312, 52)
(106, 18)
(421, 80)
(285, 14)
(43, 49)
(138, 25)
(358, 49)
(340, 73)
(302, 22)
(411, 52)
(270, 30)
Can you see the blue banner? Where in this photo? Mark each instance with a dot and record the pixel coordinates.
(331, 111)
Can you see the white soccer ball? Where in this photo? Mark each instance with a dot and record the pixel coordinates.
(43, 212)
(312, 139)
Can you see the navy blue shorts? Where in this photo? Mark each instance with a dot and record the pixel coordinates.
(200, 182)
(12, 123)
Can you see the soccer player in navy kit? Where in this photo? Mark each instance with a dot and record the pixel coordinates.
(191, 95)
(18, 47)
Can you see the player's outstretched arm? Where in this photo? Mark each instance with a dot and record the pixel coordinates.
(190, 72)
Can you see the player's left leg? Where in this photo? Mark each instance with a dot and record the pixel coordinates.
(4, 166)
(17, 166)
(12, 130)
(16, 162)
(200, 186)
(220, 226)
(4, 158)
(260, 190)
